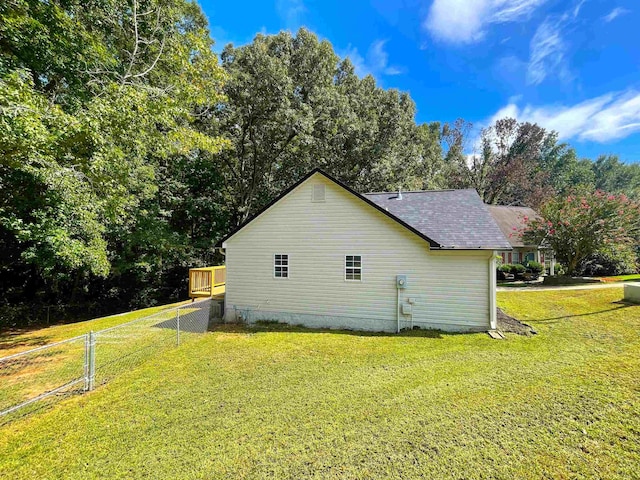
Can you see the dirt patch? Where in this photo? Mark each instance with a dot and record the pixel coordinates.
(507, 324)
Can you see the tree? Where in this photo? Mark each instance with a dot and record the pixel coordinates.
(95, 97)
(513, 163)
(506, 170)
(612, 175)
(293, 105)
(580, 225)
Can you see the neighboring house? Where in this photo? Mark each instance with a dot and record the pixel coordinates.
(512, 221)
(323, 255)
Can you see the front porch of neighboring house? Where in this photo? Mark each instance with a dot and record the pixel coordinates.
(523, 255)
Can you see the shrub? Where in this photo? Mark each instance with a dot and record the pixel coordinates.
(613, 263)
(506, 268)
(535, 267)
(518, 269)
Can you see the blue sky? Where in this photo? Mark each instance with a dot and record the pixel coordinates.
(571, 66)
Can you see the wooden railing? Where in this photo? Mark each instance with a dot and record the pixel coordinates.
(207, 281)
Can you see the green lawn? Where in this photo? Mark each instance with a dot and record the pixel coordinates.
(19, 340)
(622, 278)
(293, 403)
(135, 337)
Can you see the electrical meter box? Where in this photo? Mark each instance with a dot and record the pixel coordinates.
(401, 281)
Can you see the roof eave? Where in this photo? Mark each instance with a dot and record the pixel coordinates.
(450, 247)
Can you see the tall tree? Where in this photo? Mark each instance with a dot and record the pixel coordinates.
(508, 165)
(294, 105)
(95, 97)
(612, 175)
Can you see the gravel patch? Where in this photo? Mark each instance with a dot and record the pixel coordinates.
(507, 324)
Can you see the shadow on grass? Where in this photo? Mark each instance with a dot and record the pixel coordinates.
(196, 320)
(9, 341)
(271, 327)
(620, 305)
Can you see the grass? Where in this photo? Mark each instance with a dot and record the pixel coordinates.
(136, 337)
(280, 402)
(622, 278)
(18, 340)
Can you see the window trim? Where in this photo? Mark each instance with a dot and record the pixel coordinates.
(360, 267)
(288, 266)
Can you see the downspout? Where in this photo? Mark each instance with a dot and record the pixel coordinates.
(493, 321)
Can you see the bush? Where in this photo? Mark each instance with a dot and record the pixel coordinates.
(506, 268)
(535, 267)
(613, 263)
(518, 269)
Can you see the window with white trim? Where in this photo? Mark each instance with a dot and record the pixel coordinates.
(353, 267)
(281, 265)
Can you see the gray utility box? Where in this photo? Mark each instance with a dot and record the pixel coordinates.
(632, 292)
(401, 281)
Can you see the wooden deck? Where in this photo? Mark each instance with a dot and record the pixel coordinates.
(207, 281)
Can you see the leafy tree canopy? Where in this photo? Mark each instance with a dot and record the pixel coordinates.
(579, 226)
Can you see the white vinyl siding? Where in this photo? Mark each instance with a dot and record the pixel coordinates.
(451, 288)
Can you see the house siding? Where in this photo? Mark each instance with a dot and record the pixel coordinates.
(451, 289)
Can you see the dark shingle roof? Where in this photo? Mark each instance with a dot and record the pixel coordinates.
(456, 219)
(511, 221)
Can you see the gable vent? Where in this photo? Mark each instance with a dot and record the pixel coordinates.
(318, 193)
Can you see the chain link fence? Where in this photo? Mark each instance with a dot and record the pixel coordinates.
(32, 379)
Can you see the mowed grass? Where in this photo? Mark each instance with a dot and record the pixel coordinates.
(19, 340)
(278, 402)
(133, 338)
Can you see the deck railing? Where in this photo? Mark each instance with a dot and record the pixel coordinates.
(207, 281)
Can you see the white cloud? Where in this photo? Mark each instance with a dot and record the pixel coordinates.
(376, 61)
(378, 58)
(465, 21)
(601, 119)
(291, 12)
(615, 13)
(547, 49)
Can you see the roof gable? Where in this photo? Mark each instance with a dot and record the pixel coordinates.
(447, 219)
(431, 242)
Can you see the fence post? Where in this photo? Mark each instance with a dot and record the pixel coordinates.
(86, 362)
(178, 326)
(92, 360)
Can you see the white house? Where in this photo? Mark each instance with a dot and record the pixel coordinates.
(323, 255)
